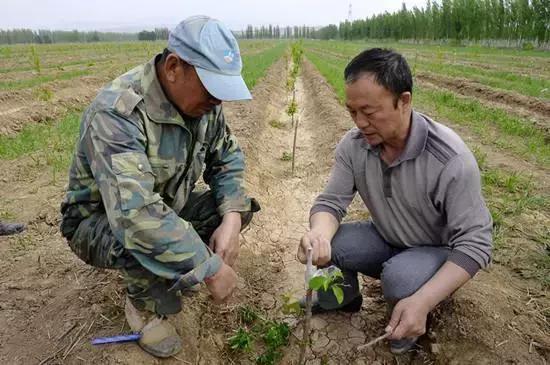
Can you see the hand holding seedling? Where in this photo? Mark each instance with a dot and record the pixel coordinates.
(222, 283)
(319, 245)
(225, 239)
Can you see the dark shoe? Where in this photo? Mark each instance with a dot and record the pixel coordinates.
(352, 307)
(7, 229)
(399, 347)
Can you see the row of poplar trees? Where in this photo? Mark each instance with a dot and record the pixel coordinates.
(14, 36)
(474, 20)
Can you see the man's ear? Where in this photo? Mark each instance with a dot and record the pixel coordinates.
(405, 99)
(172, 66)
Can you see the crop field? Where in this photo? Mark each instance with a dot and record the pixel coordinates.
(497, 100)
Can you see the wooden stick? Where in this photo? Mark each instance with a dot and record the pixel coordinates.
(294, 142)
(309, 297)
(375, 341)
(73, 344)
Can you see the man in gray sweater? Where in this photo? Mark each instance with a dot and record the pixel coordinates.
(430, 230)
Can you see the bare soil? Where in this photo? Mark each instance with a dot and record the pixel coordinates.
(46, 102)
(52, 304)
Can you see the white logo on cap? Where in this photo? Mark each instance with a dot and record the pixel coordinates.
(228, 58)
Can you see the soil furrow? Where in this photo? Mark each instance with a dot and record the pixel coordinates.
(536, 109)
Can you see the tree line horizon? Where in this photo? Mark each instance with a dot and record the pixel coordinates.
(515, 21)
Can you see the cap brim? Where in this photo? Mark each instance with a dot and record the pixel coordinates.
(224, 87)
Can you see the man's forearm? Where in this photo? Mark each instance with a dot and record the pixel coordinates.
(446, 281)
(324, 223)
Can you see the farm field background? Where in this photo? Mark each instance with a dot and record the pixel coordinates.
(497, 100)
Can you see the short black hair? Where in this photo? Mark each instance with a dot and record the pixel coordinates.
(165, 53)
(390, 69)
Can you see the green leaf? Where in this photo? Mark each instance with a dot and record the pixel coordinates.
(338, 293)
(326, 284)
(316, 282)
(292, 308)
(338, 275)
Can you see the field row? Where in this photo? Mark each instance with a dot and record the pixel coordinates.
(37, 66)
(49, 95)
(529, 76)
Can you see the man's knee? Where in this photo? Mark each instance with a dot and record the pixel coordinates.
(94, 243)
(405, 273)
(398, 283)
(201, 211)
(359, 247)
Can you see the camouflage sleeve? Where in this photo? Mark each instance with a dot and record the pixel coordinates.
(225, 170)
(151, 231)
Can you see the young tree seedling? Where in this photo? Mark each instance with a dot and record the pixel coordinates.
(325, 279)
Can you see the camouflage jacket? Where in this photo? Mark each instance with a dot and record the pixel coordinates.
(138, 159)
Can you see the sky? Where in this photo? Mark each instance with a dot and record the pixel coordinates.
(133, 15)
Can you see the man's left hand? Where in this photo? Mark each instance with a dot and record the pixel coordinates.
(225, 239)
(408, 318)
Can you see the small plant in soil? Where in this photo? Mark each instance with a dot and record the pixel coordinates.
(286, 156)
(331, 279)
(241, 340)
(327, 279)
(247, 315)
(35, 60)
(270, 336)
(276, 124)
(292, 108)
(44, 94)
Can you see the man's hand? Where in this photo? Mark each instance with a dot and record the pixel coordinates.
(225, 239)
(408, 318)
(321, 249)
(222, 283)
(409, 314)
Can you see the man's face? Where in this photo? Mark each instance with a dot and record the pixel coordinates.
(372, 108)
(187, 92)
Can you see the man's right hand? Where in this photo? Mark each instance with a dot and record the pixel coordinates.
(222, 283)
(321, 249)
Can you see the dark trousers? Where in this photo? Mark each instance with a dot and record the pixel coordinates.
(95, 244)
(358, 248)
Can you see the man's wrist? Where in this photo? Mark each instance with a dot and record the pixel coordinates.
(427, 299)
(232, 218)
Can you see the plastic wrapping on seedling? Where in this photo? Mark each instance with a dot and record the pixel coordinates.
(330, 271)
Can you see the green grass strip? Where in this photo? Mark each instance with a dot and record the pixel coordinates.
(22, 84)
(49, 137)
(498, 79)
(522, 84)
(256, 65)
(480, 118)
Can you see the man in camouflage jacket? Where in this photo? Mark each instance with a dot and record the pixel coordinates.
(131, 203)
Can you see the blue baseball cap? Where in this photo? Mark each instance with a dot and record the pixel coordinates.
(212, 49)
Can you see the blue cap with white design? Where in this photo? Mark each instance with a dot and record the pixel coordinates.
(212, 49)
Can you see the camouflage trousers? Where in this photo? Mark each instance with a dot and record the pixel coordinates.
(94, 243)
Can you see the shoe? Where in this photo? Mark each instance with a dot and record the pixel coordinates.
(7, 229)
(399, 347)
(352, 307)
(158, 335)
